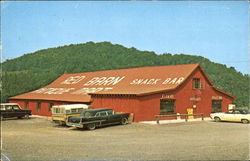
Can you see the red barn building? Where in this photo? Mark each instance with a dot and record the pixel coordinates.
(143, 91)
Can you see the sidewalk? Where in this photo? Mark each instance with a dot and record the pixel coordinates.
(175, 121)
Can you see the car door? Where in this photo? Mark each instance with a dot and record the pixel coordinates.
(111, 118)
(9, 111)
(17, 112)
(3, 111)
(115, 117)
(104, 116)
(237, 116)
(228, 116)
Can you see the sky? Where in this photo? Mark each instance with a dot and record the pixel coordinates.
(217, 30)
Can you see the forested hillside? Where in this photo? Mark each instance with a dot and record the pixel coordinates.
(34, 70)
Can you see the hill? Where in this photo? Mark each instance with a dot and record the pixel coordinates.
(34, 70)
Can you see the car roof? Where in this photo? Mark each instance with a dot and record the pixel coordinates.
(99, 109)
(9, 104)
(70, 106)
(239, 109)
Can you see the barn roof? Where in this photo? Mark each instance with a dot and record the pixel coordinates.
(78, 87)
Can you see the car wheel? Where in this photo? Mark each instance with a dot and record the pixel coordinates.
(61, 123)
(124, 121)
(245, 121)
(217, 119)
(91, 126)
(26, 116)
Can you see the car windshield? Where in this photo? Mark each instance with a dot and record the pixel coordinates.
(244, 111)
(76, 110)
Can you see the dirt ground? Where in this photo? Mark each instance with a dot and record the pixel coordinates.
(38, 139)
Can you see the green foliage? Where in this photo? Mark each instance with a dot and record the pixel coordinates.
(34, 70)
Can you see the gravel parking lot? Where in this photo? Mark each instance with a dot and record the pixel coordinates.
(38, 139)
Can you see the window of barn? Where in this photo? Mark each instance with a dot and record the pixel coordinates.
(196, 83)
(38, 106)
(216, 105)
(167, 106)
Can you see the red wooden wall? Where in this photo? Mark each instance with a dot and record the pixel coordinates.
(125, 103)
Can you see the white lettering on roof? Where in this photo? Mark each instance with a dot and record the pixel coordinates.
(145, 81)
(73, 80)
(40, 90)
(166, 81)
(53, 90)
(91, 90)
(173, 80)
(181, 79)
(104, 81)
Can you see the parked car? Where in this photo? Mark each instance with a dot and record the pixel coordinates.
(236, 115)
(61, 113)
(9, 110)
(93, 118)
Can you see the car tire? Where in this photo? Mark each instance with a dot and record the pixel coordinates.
(124, 121)
(217, 119)
(91, 126)
(61, 123)
(244, 121)
(27, 116)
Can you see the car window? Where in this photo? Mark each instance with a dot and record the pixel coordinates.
(2, 108)
(237, 112)
(67, 111)
(230, 112)
(87, 114)
(8, 107)
(73, 110)
(244, 111)
(110, 113)
(103, 113)
(80, 110)
(15, 107)
(97, 114)
(58, 110)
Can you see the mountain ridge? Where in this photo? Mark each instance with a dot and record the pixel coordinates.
(37, 69)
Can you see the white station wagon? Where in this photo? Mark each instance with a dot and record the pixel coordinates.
(60, 113)
(236, 115)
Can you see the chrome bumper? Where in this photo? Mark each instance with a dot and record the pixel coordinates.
(75, 124)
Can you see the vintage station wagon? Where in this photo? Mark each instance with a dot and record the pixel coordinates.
(93, 118)
(61, 113)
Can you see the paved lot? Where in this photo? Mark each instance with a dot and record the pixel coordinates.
(38, 139)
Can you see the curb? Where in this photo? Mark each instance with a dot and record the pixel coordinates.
(175, 121)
